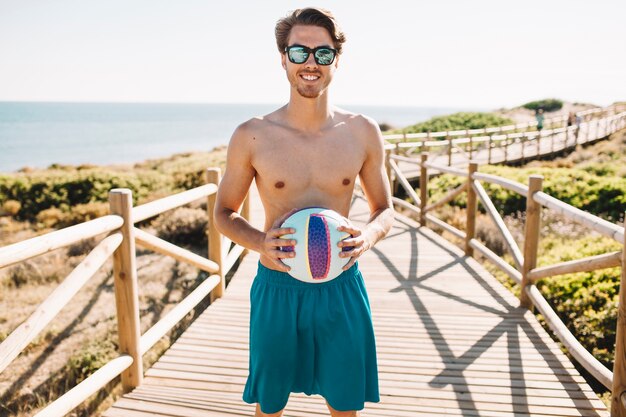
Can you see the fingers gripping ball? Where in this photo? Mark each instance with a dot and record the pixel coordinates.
(317, 254)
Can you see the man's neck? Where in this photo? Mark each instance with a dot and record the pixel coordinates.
(308, 115)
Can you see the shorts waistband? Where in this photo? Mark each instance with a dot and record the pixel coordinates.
(283, 279)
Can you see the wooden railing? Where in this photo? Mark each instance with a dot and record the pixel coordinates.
(525, 271)
(120, 243)
(512, 143)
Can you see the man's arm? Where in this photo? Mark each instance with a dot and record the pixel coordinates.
(232, 191)
(375, 184)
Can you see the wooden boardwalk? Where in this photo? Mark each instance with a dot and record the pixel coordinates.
(516, 152)
(451, 340)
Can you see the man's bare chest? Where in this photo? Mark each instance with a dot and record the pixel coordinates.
(327, 163)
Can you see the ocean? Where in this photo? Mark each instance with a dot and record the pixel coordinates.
(38, 134)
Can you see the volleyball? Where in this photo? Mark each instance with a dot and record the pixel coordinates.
(317, 254)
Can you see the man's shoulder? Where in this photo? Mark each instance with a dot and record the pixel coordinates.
(257, 123)
(357, 120)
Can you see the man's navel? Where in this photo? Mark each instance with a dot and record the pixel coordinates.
(279, 184)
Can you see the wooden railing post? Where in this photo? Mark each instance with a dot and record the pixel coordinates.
(471, 143)
(126, 289)
(489, 147)
(619, 363)
(506, 147)
(538, 145)
(449, 139)
(423, 188)
(472, 206)
(215, 238)
(531, 236)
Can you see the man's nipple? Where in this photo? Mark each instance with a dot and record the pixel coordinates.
(279, 184)
(346, 181)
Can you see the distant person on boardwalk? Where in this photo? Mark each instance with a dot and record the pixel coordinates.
(315, 338)
(571, 119)
(539, 116)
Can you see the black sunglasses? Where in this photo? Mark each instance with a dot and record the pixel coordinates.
(299, 54)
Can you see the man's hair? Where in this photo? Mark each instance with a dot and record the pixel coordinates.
(312, 17)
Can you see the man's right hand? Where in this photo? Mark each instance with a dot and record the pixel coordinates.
(272, 243)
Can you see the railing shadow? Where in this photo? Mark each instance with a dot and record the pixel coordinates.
(8, 401)
(511, 323)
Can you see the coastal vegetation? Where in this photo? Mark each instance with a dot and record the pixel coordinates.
(548, 105)
(457, 121)
(64, 195)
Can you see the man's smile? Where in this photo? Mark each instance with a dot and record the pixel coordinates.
(310, 77)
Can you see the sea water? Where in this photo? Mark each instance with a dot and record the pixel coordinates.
(36, 134)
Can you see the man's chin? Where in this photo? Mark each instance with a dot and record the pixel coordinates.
(309, 93)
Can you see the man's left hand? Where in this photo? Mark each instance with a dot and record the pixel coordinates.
(358, 242)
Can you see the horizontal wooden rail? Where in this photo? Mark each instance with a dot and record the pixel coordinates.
(89, 386)
(591, 263)
(150, 337)
(503, 182)
(497, 260)
(164, 247)
(586, 359)
(62, 294)
(39, 245)
(145, 211)
(601, 226)
(511, 245)
(447, 169)
(404, 159)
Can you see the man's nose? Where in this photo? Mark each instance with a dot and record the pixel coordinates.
(310, 61)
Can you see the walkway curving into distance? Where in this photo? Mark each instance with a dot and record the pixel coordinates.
(451, 341)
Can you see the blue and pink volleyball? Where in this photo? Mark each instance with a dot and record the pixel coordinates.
(317, 254)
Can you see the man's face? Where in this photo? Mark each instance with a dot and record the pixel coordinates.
(319, 76)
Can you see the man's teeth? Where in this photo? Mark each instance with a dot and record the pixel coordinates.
(310, 77)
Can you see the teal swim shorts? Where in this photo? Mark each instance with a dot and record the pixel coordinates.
(311, 338)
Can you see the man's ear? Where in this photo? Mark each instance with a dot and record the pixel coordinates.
(336, 63)
(283, 61)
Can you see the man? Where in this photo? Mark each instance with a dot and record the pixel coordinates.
(311, 338)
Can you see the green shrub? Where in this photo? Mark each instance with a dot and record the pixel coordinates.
(600, 195)
(586, 301)
(459, 121)
(548, 104)
(183, 226)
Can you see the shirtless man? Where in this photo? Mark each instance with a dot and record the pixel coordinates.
(311, 338)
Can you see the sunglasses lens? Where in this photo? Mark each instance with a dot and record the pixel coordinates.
(324, 56)
(297, 55)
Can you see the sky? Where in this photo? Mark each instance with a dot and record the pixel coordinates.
(446, 53)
